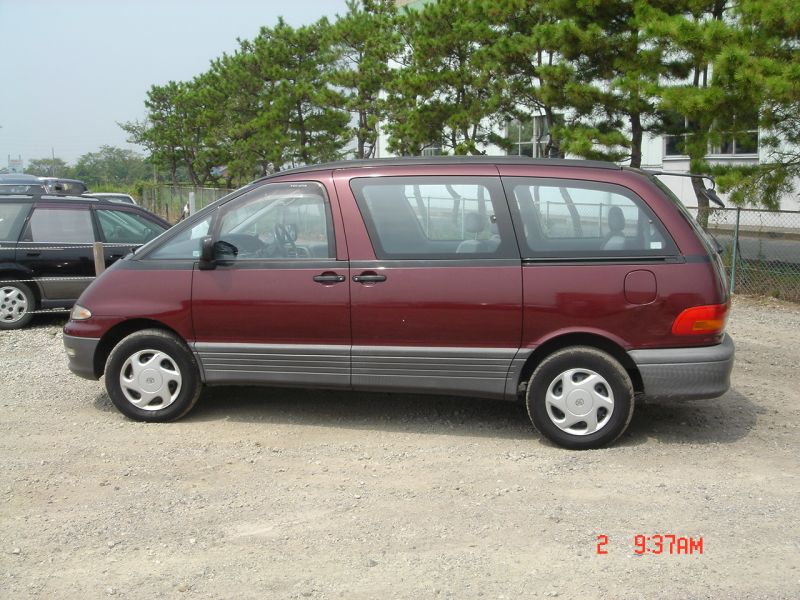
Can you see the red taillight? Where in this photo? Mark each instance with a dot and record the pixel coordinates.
(701, 320)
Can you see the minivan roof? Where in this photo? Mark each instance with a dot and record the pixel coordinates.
(448, 160)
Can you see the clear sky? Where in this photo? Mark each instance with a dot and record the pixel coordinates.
(71, 69)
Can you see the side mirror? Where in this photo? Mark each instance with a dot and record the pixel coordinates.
(713, 197)
(207, 254)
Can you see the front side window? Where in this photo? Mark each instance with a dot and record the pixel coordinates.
(574, 219)
(60, 225)
(435, 217)
(185, 245)
(279, 221)
(122, 227)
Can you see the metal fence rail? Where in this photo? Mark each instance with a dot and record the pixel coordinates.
(761, 250)
(171, 203)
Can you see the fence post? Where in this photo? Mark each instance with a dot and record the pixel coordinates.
(191, 203)
(99, 259)
(735, 250)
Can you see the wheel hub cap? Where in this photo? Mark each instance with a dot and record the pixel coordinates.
(13, 304)
(579, 401)
(150, 379)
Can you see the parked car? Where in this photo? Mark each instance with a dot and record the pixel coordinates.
(571, 286)
(59, 185)
(22, 183)
(113, 197)
(19, 183)
(46, 257)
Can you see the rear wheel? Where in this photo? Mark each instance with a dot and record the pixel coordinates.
(580, 398)
(151, 375)
(17, 303)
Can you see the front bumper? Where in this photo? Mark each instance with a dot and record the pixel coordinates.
(686, 373)
(80, 351)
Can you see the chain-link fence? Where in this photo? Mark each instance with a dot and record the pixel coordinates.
(172, 203)
(761, 250)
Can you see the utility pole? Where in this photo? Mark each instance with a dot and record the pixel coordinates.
(52, 162)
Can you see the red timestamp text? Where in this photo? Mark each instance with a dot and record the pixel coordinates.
(667, 543)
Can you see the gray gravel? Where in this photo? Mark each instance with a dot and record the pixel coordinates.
(267, 493)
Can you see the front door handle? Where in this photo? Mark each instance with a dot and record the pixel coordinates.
(33, 254)
(329, 278)
(369, 278)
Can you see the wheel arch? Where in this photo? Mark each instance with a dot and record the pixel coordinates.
(594, 340)
(11, 274)
(120, 331)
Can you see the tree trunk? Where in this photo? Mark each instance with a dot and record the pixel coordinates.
(636, 140)
(702, 202)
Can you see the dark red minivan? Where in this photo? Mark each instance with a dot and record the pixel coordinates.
(572, 286)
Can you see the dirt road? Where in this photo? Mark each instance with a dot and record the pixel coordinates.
(267, 493)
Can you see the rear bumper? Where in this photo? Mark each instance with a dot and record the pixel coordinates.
(80, 351)
(686, 373)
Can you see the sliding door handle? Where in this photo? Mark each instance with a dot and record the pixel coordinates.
(329, 278)
(369, 278)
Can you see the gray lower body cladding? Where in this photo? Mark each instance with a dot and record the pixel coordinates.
(686, 373)
(481, 372)
(274, 364)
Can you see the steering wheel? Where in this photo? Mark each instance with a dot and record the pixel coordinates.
(285, 235)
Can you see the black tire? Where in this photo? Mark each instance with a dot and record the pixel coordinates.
(552, 372)
(178, 359)
(13, 295)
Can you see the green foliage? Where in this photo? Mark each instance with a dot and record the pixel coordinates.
(603, 75)
(110, 166)
(442, 94)
(767, 69)
(47, 167)
(365, 39)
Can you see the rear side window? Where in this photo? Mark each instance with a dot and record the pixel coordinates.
(60, 225)
(579, 219)
(436, 217)
(11, 218)
(122, 227)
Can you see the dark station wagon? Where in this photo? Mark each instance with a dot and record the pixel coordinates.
(46, 258)
(572, 286)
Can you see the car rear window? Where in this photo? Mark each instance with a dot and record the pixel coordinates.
(12, 215)
(60, 225)
(701, 234)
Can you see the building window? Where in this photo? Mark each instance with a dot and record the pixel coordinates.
(744, 143)
(530, 138)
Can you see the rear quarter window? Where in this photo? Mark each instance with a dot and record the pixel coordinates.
(12, 216)
(582, 219)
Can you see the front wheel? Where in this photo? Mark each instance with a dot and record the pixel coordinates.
(17, 304)
(580, 398)
(152, 376)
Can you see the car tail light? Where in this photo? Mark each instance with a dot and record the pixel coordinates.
(701, 320)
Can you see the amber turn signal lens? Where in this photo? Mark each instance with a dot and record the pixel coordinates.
(701, 320)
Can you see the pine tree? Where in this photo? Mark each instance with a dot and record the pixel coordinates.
(441, 95)
(365, 39)
(765, 66)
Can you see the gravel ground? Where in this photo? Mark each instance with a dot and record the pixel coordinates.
(267, 493)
